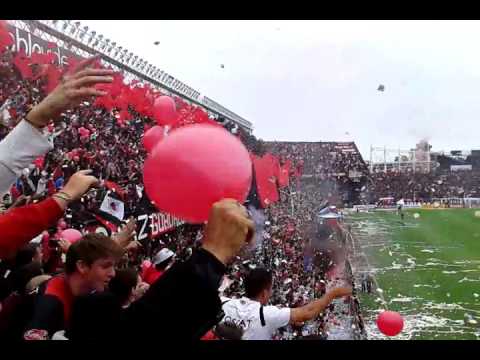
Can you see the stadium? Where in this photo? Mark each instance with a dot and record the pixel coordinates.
(399, 231)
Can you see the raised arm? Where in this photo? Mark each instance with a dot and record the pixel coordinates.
(314, 308)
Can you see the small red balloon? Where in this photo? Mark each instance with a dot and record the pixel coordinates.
(390, 323)
(164, 110)
(152, 137)
(194, 167)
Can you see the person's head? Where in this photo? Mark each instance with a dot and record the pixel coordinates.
(258, 285)
(93, 259)
(163, 259)
(29, 253)
(124, 284)
(22, 276)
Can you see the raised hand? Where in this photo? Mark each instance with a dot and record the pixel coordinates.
(76, 86)
(125, 237)
(229, 228)
(79, 183)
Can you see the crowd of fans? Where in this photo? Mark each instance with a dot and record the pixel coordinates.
(422, 187)
(102, 284)
(52, 288)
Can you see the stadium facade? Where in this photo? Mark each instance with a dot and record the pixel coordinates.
(73, 40)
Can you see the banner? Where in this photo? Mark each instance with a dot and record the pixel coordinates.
(29, 43)
(149, 226)
(354, 174)
(460, 167)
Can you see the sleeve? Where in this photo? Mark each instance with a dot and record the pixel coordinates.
(276, 317)
(18, 150)
(47, 319)
(20, 225)
(167, 306)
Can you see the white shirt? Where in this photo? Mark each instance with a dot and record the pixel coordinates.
(246, 314)
(18, 150)
(59, 335)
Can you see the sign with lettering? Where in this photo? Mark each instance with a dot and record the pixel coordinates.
(29, 43)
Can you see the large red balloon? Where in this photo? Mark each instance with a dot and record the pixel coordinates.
(152, 137)
(194, 167)
(164, 110)
(390, 323)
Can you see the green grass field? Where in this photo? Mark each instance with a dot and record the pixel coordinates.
(428, 269)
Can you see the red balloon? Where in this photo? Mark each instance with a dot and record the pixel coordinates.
(194, 167)
(152, 137)
(390, 323)
(164, 110)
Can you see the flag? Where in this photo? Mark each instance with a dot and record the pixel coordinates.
(265, 180)
(112, 206)
(110, 185)
(21, 62)
(5, 38)
(284, 174)
(112, 227)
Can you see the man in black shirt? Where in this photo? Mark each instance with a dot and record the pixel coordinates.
(183, 303)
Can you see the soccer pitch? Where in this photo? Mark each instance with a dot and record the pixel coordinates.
(428, 269)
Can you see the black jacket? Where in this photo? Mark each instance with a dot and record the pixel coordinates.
(182, 304)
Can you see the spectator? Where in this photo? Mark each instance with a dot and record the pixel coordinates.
(124, 285)
(259, 321)
(161, 262)
(17, 309)
(38, 217)
(89, 267)
(166, 310)
(15, 153)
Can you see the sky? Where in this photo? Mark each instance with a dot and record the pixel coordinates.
(318, 80)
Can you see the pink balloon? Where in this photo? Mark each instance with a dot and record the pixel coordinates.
(152, 137)
(164, 110)
(390, 323)
(194, 167)
(71, 235)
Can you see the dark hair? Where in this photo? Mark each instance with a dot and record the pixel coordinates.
(123, 283)
(22, 275)
(256, 281)
(25, 255)
(89, 249)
